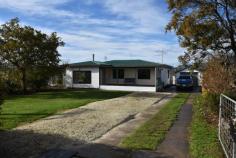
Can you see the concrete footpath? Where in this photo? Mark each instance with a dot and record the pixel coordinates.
(176, 141)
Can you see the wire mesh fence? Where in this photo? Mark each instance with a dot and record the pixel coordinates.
(227, 120)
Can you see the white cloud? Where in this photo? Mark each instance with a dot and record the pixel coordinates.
(143, 12)
(81, 48)
(49, 8)
(124, 36)
(36, 7)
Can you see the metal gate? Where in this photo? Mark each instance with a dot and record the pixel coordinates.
(227, 119)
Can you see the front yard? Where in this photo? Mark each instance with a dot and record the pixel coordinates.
(18, 110)
(84, 125)
(72, 128)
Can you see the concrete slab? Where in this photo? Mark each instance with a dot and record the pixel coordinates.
(115, 136)
(176, 141)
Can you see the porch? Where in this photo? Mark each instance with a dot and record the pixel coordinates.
(136, 79)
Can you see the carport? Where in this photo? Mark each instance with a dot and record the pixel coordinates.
(196, 74)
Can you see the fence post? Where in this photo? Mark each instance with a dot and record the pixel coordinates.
(227, 116)
(234, 116)
(219, 117)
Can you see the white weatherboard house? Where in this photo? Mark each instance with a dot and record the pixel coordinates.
(124, 75)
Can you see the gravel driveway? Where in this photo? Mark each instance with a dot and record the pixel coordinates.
(93, 120)
(84, 124)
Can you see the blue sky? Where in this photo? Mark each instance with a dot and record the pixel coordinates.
(111, 29)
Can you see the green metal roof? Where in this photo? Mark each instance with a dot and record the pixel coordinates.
(87, 64)
(119, 63)
(131, 63)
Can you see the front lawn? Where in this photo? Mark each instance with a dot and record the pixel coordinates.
(203, 135)
(23, 109)
(151, 133)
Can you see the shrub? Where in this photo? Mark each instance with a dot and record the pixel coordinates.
(39, 77)
(10, 80)
(231, 94)
(211, 100)
(217, 77)
(37, 84)
(1, 94)
(1, 99)
(11, 87)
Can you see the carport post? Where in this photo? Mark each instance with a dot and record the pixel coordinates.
(156, 78)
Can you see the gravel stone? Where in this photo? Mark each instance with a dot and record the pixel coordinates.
(90, 122)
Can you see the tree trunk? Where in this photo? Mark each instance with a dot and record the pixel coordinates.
(24, 81)
(235, 57)
(233, 45)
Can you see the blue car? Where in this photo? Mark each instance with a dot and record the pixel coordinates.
(184, 82)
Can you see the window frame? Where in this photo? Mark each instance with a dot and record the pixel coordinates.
(87, 81)
(114, 73)
(118, 73)
(145, 77)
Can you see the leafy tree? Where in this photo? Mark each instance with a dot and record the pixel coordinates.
(217, 78)
(1, 93)
(204, 27)
(40, 77)
(27, 48)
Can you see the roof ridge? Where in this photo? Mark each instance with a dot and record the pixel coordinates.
(120, 63)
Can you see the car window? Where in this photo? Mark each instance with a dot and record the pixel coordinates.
(184, 77)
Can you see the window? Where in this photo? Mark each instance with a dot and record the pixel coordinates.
(144, 74)
(114, 74)
(184, 73)
(185, 77)
(168, 73)
(83, 77)
(121, 74)
(118, 73)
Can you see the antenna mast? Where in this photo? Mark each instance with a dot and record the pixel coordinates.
(161, 53)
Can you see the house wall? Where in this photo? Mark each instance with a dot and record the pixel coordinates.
(159, 77)
(68, 78)
(165, 78)
(129, 73)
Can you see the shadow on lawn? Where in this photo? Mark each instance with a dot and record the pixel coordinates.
(66, 114)
(25, 144)
(75, 94)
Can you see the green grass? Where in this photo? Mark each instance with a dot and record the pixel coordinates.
(21, 109)
(203, 135)
(152, 133)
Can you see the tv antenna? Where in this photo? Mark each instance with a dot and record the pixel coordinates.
(161, 53)
(105, 58)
